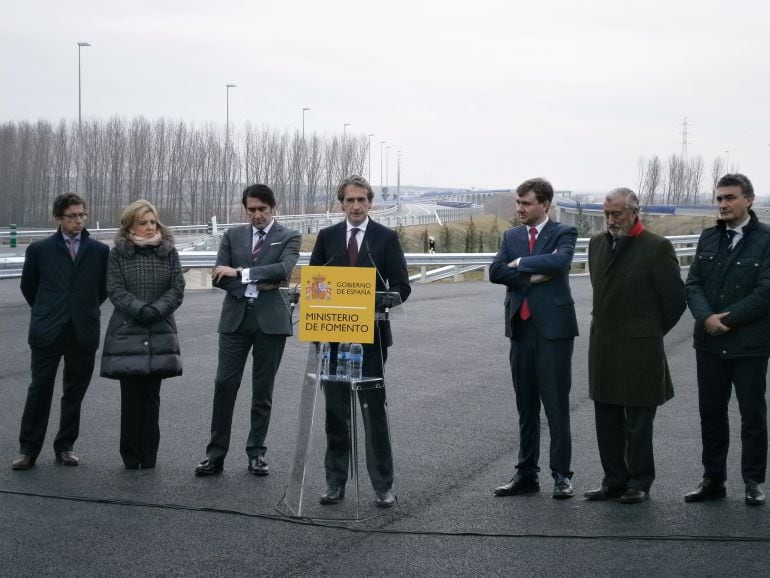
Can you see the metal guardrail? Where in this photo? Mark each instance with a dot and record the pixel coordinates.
(308, 223)
(10, 267)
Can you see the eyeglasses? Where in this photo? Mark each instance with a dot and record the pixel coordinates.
(75, 216)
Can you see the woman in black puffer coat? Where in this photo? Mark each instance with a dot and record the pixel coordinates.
(146, 286)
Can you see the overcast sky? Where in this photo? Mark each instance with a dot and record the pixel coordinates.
(475, 94)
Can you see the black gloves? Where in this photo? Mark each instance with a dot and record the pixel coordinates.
(148, 314)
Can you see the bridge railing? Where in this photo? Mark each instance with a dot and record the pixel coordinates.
(10, 267)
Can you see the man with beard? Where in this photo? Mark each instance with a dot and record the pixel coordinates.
(638, 297)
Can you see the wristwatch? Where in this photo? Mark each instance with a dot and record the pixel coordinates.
(240, 272)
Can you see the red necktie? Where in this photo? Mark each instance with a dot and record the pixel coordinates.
(524, 311)
(258, 245)
(353, 247)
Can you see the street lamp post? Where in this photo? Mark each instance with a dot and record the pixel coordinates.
(80, 121)
(387, 164)
(370, 135)
(228, 86)
(304, 109)
(398, 178)
(382, 142)
(80, 100)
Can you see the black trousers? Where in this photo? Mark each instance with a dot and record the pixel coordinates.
(716, 378)
(373, 402)
(624, 434)
(139, 428)
(542, 373)
(234, 348)
(78, 369)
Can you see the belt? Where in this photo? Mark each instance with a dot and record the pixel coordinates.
(250, 301)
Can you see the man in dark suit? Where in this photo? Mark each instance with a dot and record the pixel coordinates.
(64, 282)
(360, 242)
(533, 263)
(252, 263)
(638, 297)
(728, 292)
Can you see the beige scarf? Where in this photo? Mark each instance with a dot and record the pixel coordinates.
(144, 241)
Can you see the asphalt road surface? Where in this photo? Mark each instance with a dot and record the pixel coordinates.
(454, 435)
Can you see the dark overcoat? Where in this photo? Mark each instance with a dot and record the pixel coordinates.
(638, 296)
(139, 276)
(60, 290)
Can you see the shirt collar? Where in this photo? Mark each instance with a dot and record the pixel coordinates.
(67, 237)
(739, 228)
(361, 227)
(265, 229)
(539, 227)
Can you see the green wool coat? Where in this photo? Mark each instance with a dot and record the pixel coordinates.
(638, 296)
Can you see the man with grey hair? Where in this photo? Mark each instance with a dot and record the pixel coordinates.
(638, 296)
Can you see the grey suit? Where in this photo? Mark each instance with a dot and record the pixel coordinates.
(258, 325)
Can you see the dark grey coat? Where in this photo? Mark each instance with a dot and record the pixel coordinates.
(138, 276)
(638, 296)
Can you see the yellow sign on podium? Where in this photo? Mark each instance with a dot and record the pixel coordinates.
(337, 304)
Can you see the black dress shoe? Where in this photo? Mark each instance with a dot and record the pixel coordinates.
(332, 495)
(604, 493)
(634, 496)
(562, 487)
(67, 458)
(385, 499)
(258, 466)
(754, 494)
(707, 490)
(23, 462)
(208, 468)
(519, 485)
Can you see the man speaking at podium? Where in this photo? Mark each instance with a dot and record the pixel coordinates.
(360, 242)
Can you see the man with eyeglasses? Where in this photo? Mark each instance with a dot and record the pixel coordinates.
(253, 261)
(64, 282)
(638, 297)
(728, 292)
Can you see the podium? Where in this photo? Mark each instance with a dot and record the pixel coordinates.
(307, 477)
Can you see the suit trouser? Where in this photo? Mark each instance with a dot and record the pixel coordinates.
(716, 378)
(266, 350)
(624, 435)
(542, 373)
(78, 369)
(379, 455)
(139, 414)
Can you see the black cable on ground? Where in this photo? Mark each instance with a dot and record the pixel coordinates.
(311, 522)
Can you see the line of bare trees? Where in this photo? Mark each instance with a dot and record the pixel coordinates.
(678, 180)
(190, 173)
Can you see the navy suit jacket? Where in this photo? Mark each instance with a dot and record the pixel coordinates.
(380, 248)
(60, 290)
(551, 303)
(274, 264)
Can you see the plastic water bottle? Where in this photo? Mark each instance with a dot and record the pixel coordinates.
(356, 362)
(343, 354)
(326, 354)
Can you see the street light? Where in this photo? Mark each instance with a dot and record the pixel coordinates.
(227, 122)
(304, 108)
(387, 163)
(80, 101)
(370, 135)
(382, 142)
(228, 86)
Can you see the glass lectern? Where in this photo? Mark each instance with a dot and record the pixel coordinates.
(307, 477)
